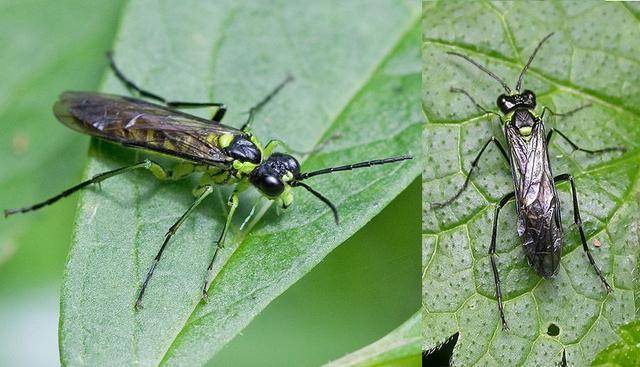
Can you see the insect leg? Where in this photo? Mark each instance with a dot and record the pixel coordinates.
(458, 90)
(204, 191)
(473, 165)
(128, 83)
(222, 109)
(578, 221)
(272, 144)
(576, 147)
(255, 109)
(563, 361)
(147, 164)
(233, 204)
(217, 117)
(492, 254)
(563, 114)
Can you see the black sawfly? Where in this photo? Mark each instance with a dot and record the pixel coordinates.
(537, 202)
(220, 153)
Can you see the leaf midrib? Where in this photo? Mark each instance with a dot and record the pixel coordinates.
(413, 22)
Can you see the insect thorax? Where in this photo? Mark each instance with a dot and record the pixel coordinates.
(523, 120)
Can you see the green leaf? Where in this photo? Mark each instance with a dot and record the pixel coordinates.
(399, 348)
(357, 74)
(625, 352)
(592, 58)
(43, 50)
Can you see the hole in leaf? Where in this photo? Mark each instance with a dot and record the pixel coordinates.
(553, 330)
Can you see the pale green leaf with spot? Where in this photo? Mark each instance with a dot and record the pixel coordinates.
(42, 47)
(399, 348)
(357, 69)
(625, 352)
(592, 58)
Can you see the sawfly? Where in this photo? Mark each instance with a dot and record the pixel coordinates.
(537, 202)
(223, 155)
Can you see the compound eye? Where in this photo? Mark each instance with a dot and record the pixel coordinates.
(292, 165)
(502, 103)
(531, 98)
(271, 186)
(289, 162)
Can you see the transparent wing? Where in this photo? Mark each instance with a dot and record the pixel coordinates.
(539, 222)
(140, 124)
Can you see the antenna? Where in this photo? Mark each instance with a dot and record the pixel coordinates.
(321, 197)
(303, 176)
(254, 110)
(524, 69)
(494, 76)
(349, 167)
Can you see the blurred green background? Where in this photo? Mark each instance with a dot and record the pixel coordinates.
(361, 291)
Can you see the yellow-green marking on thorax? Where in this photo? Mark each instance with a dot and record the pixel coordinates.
(225, 140)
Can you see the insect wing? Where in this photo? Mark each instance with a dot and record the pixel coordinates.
(539, 222)
(140, 124)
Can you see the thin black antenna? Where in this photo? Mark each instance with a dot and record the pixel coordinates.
(494, 76)
(253, 110)
(524, 69)
(349, 167)
(321, 197)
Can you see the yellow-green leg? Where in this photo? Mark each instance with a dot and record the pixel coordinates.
(202, 192)
(233, 204)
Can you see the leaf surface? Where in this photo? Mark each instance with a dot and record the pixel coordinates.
(43, 51)
(399, 348)
(592, 58)
(625, 352)
(357, 74)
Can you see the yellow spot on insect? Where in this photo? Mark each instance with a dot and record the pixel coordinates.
(225, 140)
(525, 130)
(211, 138)
(287, 177)
(168, 145)
(243, 167)
(286, 198)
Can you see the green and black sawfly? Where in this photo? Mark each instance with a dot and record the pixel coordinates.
(223, 155)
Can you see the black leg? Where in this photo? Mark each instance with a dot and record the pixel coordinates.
(576, 147)
(473, 165)
(458, 90)
(202, 194)
(222, 109)
(563, 114)
(271, 145)
(155, 168)
(128, 83)
(233, 204)
(563, 361)
(492, 254)
(217, 117)
(255, 109)
(578, 221)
